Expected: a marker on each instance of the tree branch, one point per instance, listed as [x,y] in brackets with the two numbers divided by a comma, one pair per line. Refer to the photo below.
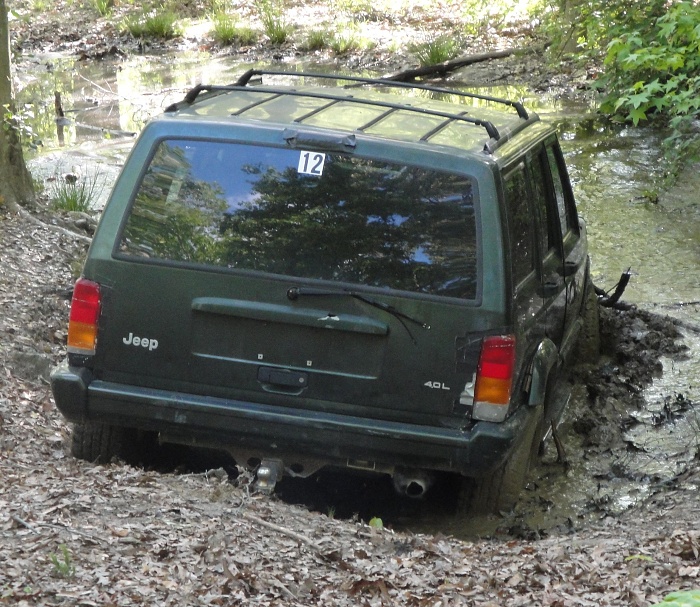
[441,69]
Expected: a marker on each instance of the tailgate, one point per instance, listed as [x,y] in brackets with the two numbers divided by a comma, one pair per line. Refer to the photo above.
[308,278]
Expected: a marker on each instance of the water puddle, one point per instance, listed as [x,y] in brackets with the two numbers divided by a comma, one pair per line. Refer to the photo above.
[615,172]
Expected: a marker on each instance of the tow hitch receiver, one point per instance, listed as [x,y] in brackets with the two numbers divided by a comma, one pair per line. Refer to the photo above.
[269,472]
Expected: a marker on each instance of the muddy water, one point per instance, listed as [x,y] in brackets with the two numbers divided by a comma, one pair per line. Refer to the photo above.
[616,173]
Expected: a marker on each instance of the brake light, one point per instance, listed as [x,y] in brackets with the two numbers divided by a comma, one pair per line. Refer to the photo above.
[84,314]
[494,378]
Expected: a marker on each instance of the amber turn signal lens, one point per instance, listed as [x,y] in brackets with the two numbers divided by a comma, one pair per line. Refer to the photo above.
[84,314]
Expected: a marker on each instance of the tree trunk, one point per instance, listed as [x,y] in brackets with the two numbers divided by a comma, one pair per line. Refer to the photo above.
[16,185]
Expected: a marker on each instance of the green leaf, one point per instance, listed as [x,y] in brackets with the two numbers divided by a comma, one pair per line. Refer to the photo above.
[376,523]
[685,598]
[636,115]
[638,99]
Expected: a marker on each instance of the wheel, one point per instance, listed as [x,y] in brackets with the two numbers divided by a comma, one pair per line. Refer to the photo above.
[588,347]
[100,443]
[499,492]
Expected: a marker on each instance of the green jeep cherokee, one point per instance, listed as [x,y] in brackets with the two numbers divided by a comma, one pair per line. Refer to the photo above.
[338,272]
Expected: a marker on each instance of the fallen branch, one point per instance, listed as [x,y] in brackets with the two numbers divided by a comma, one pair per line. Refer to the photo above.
[283,530]
[36,529]
[24,523]
[440,69]
[328,556]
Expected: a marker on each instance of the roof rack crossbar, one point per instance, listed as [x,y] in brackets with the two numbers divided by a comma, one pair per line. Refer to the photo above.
[250,106]
[315,111]
[274,93]
[516,105]
[376,119]
[438,128]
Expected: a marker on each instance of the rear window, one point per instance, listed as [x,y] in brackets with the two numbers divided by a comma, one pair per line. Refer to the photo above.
[307,214]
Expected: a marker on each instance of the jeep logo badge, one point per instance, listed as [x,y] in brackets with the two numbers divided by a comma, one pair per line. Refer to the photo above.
[143,342]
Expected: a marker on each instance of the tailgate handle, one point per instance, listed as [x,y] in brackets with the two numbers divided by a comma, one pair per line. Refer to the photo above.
[272,376]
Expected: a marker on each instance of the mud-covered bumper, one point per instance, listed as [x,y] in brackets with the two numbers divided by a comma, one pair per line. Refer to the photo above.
[332,438]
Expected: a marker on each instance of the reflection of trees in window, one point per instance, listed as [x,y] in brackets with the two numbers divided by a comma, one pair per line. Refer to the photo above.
[520,223]
[360,222]
[174,212]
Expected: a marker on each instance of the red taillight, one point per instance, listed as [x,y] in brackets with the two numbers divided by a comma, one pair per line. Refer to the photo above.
[84,313]
[494,376]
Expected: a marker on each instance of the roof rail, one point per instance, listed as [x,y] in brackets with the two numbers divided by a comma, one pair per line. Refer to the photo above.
[242,84]
[245,78]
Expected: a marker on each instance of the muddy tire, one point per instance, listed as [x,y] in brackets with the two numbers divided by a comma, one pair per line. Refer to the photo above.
[100,443]
[588,347]
[499,492]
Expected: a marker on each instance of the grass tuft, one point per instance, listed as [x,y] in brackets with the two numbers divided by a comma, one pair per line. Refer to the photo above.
[225,31]
[104,7]
[73,192]
[158,23]
[271,13]
[436,51]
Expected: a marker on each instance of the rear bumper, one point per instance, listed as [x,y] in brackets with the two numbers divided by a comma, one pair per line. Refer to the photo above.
[238,425]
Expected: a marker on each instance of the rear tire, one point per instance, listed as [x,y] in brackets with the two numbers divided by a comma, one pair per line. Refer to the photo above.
[499,492]
[100,443]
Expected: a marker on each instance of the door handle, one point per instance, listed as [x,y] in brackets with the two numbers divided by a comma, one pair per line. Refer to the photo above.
[571,267]
[550,288]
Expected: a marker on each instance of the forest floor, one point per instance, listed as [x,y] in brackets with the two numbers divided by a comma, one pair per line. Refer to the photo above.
[184,533]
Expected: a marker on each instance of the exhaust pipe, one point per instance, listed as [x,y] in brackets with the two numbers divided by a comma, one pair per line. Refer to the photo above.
[412,483]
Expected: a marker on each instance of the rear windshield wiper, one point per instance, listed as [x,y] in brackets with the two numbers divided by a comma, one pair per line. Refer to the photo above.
[295,293]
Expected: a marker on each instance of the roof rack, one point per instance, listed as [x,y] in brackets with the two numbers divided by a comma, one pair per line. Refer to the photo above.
[246,77]
[242,84]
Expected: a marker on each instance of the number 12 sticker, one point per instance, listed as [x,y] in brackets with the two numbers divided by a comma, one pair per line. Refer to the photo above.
[311,163]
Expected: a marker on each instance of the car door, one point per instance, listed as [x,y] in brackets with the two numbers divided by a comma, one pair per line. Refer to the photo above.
[529,314]
[573,244]
[553,287]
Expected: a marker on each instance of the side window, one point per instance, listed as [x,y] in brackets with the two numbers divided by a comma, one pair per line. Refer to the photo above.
[520,223]
[562,190]
[544,208]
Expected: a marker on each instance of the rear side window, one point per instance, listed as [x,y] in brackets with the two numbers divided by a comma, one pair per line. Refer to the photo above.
[562,190]
[307,214]
[520,223]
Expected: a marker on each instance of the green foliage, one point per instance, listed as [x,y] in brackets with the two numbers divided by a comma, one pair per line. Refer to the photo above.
[157,23]
[62,563]
[483,15]
[19,121]
[271,13]
[685,598]
[586,27]
[376,523]
[68,193]
[225,30]
[652,70]
[436,51]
